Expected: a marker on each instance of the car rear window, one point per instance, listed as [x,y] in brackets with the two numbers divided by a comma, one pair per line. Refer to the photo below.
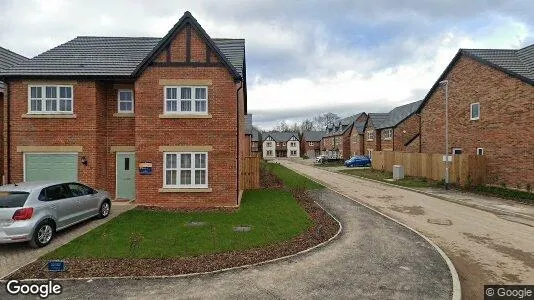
[13,199]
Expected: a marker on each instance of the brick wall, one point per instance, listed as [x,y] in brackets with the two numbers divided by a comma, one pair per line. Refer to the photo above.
[505,129]
[310,151]
[1,136]
[406,131]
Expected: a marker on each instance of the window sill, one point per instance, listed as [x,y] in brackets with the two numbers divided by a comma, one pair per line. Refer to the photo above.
[476,119]
[124,115]
[387,139]
[49,116]
[185,190]
[184,116]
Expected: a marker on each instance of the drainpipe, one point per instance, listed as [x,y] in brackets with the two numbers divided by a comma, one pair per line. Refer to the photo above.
[7,98]
[237,141]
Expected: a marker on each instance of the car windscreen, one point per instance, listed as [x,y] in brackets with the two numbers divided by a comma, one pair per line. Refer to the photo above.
[13,199]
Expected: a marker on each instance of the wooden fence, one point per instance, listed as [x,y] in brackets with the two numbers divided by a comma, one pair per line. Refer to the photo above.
[464,169]
[250,173]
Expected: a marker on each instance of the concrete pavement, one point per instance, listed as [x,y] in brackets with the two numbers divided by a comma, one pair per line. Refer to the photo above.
[485,247]
[373,258]
[14,256]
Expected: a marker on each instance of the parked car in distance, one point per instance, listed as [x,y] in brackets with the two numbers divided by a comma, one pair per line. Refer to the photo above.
[320,159]
[34,211]
[358,161]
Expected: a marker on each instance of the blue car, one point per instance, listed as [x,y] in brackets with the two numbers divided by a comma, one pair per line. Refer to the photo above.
[358,161]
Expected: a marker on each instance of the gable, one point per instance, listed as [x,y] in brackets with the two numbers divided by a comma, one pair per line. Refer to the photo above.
[188,45]
[293,139]
[269,139]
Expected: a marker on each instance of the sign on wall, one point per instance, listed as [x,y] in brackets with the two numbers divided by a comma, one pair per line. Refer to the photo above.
[145,168]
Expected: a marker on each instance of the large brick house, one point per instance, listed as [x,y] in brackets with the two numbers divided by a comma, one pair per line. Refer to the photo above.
[491,112]
[158,120]
[280,144]
[399,131]
[336,142]
[311,143]
[357,136]
[372,139]
[7,60]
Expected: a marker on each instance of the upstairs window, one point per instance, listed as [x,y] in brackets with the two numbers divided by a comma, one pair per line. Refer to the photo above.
[50,99]
[388,134]
[311,143]
[269,144]
[126,101]
[475,111]
[186,100]
[370,135]
[293,144]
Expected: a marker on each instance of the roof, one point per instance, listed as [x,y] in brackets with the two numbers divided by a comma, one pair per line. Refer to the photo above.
[280,136]
[399,114]
[313,136]
[518,63]
[360,126]
[340,126]
[120,56]
[256,136]
[378,118]
[248,124]
[9,58]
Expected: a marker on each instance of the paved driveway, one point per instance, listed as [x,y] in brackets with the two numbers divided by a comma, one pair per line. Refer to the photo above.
[13,256]
[486,248]
[373,258]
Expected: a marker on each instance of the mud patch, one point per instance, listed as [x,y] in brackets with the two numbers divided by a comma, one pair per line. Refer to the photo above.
[511,278]
[444,222]
[410,210]
[525,257]
[473,275]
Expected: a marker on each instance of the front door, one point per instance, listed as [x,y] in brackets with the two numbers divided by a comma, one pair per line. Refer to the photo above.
[126,176]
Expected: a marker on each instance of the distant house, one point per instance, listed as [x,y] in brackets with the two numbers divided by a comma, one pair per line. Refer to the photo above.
[8,59]
[311,143]
[400,130]
[357,137]
[491,112]
[336,142]
[280,144]
[255,142]
[372,133]
[252,137]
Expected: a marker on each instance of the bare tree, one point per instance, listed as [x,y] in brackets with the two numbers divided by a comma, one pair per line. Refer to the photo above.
[324,119]
[307,125]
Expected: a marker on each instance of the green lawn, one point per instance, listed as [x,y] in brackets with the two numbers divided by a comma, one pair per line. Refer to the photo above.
[382,176]
[292,179]
[274,215]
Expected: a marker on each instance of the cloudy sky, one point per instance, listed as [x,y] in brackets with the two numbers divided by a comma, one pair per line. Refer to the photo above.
[303,57]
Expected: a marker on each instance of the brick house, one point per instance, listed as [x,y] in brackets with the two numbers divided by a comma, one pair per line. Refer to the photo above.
[311,143]
[491,112]
[280,144]
[357,136]
[158,120]
[336,142]
[7,60]
[252,137]
[372,133]
[400,130]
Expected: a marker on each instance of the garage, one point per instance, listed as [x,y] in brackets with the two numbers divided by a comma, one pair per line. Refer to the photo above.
[51,166]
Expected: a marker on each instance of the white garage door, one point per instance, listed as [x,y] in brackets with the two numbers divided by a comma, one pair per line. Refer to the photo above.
[51,166]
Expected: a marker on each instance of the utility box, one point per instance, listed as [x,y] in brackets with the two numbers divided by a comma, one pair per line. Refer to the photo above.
[398,172]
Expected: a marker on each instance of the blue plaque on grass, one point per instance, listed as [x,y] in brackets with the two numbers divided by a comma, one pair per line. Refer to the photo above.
[56,266]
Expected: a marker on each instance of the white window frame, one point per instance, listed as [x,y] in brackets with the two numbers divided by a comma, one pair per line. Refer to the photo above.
[311,144]
[269,153]
[179,100]
[480,151]
[370,153]
[388,134]
[293,153]
[292,144]
[268,144]
[456,149]
[178,169]
[471,112]
[370,135]
[119,101]
[43,99]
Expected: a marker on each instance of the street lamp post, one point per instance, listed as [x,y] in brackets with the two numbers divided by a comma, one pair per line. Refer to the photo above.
[446,84]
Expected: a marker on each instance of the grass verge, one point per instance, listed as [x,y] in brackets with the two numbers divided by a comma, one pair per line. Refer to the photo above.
[414,182]
[290,178]
[274,216]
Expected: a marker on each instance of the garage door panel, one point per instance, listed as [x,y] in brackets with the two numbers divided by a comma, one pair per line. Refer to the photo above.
[61,167]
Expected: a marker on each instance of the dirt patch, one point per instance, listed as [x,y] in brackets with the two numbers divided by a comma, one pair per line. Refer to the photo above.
[323,229]
[511,278]
[411,210]
[472,275]
[269,180]
[525,257]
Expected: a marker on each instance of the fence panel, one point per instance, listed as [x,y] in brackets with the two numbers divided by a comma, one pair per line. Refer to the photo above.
[463,170]
[250,173]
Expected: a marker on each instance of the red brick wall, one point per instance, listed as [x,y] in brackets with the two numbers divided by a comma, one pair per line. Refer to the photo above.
[356,143]
[406,131]
[505,129]
[385,144]
[81,131]
[375,143]
[310,150]
[345,144]
[1,136]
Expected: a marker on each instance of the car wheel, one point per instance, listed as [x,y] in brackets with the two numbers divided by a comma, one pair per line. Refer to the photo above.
[104,210]
[43,234]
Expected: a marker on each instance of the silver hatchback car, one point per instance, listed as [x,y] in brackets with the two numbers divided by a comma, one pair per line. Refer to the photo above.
[34,211]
